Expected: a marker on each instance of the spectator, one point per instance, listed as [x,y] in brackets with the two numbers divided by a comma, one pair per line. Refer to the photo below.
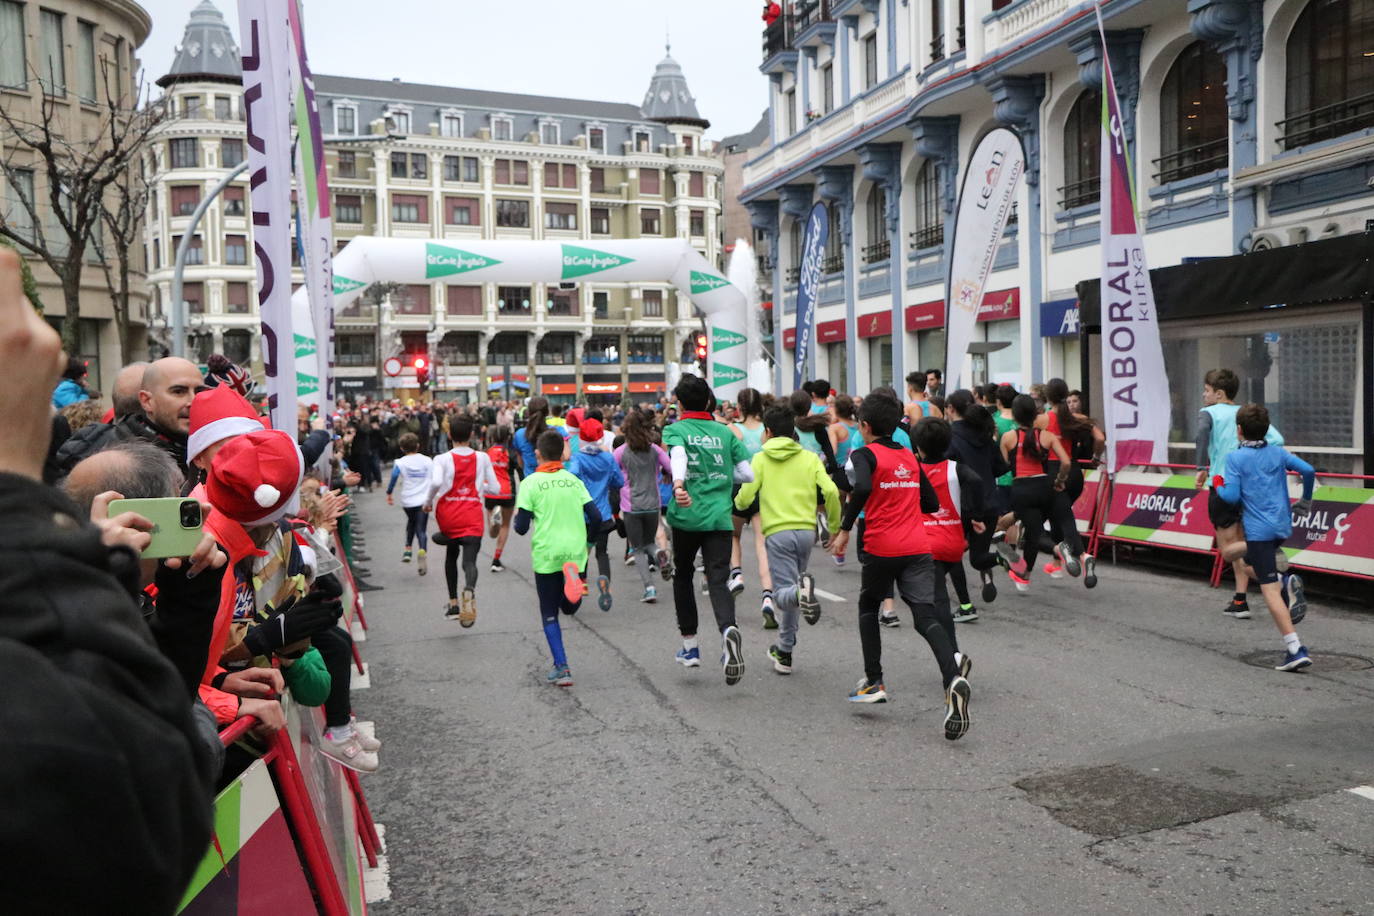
[72,388]
[81,414]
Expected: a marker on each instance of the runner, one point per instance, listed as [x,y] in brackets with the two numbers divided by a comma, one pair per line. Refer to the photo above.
[918,401]
[598,471]
[1084,442]
[461,478]
[536,421]
[1033,495]
[703,453]
[973,444]
[890,490]
[820,396]
[507,466]
[843,432]
[641,464]
[414,471]
[813,432]
[749,429]
[1007,534]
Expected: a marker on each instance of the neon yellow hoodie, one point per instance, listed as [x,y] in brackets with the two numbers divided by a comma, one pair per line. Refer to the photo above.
[785,480]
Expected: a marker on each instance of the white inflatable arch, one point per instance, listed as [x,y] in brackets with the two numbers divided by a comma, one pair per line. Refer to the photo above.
[370,259]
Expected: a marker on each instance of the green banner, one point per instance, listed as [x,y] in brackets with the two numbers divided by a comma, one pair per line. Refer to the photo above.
[703,282]
[442,261]
[305,346]
[343,285]
[725,375]
[724,339]
[578,262]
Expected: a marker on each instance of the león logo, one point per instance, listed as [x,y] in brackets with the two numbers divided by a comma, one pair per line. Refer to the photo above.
[702,282]
[578,262]
[442,261]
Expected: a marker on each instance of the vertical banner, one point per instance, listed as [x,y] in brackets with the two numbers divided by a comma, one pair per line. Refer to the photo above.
[808,283]
[985,199]
[267,99]
[314,335]
[1136,402]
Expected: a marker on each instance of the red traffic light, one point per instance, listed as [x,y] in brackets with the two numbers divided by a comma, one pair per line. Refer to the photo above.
[420,362]
[701,345]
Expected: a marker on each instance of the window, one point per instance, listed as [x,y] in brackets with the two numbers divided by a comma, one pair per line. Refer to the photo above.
[601,304]
[464,300]
[193,294]
[557,350]
[603,349]
[412,299]
[879,246]
[789,101]
[223,108]
[698,223]
[650,181]
[462,211]
[157,255]
[596,139]
[451,124]
[513,214]
[871,61]
[1330,72]
[399,165]
[512,299]
[419,165]
[345,120]
[184,199]
[688,145]
[400,120]
[236,298]
[52,64]
[191,107]
[1193,124]
[348,208]
[596,180]
[653,303]
[185,153]
[549,133]
[643,141]
[235,249]
[937,30]
[346,165]
[1082,151]
[562,302]
[827,89]
[645,348]
[650,222]
[930,226]
[85,61]
[355,349]
[461,168]
[512,171]
[696,184]
[560,176]
[600,220]
[230,152]
[560,216]
[233,201]
[195,251]
[459,349]
[409,208]
[13,62]
[833,262]
[502,128]
[508,348]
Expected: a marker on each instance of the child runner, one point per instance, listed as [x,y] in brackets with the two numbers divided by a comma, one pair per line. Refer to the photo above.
[1083,441]
[703,454]
[813,432]
[1007,534]
[786,478]
[1256,479]
[598,471]
[749,429]
[641,464]
[460,479]
[564,518]
[891,491]
[536,421]
[973,443]
[413,470]
[843,432]
[506,464]
[1033,495]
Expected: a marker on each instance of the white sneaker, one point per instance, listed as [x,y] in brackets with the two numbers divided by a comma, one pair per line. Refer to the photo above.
[495,527]
[736,582]
[349,752]
[366,742]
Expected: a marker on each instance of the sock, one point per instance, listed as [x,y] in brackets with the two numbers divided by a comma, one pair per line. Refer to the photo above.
[497,555]
[1238,597]
[339,732]
[965,607]
[958,658]
[735,570]
[689,643]
[1291,642]
[768,593]
[554,634]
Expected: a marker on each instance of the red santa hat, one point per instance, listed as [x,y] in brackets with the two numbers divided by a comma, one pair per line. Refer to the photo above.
[591,431]
[216,414]
[256,478]
[573,417]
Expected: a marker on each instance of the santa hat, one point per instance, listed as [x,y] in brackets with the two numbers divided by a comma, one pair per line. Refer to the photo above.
[218,414]
[573,417]
[255,479]
[591,431]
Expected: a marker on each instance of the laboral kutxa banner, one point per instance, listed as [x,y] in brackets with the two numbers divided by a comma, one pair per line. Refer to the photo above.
[808,286]
[1338,534]
[1164,509]
[985,200]
[266,43]
[1136,405]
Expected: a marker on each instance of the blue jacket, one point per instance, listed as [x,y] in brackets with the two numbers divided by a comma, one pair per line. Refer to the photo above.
[528,457]
[1257,478]
[600,472]
[68,392]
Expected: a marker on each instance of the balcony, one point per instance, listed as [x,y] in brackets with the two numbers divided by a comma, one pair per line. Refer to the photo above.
[814,24]
[877,252]
[1079,193]
[927,237]
[1327,122]
[1193,160]
[1017,19]
[832,264]
[778,53]
[793,276]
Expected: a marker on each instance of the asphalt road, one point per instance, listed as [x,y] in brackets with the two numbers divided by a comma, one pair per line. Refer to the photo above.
[1127,755]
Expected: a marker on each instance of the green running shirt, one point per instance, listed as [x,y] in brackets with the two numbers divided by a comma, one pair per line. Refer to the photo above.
[712,453]
[555,499]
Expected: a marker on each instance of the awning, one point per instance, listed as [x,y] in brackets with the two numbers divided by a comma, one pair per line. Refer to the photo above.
[498,384]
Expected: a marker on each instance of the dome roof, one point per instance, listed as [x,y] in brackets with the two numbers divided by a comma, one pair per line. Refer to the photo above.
[208,51]
[668,100]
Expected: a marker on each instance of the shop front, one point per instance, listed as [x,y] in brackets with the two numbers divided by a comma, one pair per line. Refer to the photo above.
[875,330]
[600,393]
[559,389]
[830,337]
[1059,334]
[998,331]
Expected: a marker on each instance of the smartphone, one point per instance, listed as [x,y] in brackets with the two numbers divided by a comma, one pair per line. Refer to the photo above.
[176,524]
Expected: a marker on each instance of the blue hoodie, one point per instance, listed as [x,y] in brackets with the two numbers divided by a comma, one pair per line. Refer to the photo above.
[599,471]
[1257,478]
[68,392]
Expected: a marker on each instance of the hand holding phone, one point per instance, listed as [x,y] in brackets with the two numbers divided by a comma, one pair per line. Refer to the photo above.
[176,524]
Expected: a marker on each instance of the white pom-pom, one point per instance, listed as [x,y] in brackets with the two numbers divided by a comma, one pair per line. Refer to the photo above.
[266,496]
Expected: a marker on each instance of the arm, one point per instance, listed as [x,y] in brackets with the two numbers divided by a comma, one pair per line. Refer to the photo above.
[1273,436]
[930,500]
[1203,441]
[522,521]
[972,499]
[486,474]
[1309,478]
[1052,442]
[831,494]
[677,461]
[592,515]
[745,498]
[862,463]
[395,476]
[314,445]
[440,479]
[744,472]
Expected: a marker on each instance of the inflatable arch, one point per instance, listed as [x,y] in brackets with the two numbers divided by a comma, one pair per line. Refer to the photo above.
[369,259]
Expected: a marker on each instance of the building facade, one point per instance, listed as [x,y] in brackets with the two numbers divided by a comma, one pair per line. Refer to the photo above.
[1250,124]
[418,161]
[78,57]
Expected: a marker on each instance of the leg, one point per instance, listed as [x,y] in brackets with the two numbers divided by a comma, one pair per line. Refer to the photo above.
[715,552]
[640,528]
[470,545]
[422,528]
[603,556]
[941,595]
[874,582]
[685,547]
[506,516]
[452,550]
[784,561]
[736,554]
[336,648]
[916,584]
[549,587]
[410,512]
[959,580]
[765,574]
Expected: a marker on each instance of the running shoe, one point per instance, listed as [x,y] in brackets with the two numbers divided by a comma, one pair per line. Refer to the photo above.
[1238,609]
[782,661]
[421,562]
[365,741]
[629,557]
[468,615]
[822,528]
[770,622]
[732,658]
[1053,570]
[440,538]
[603,588]
[736,581]
[1006,553]
[1294,661]
[348,752]
[689,658]
[451,611]
[405,557]
[497,565]
[965,663]
[966,613]
[1022,584]
[1089,571]
[572,582]
[664,562]
[868,692]
[989,586]
[806,597]
[650,595]
[839,560]
[560,676]
[494,528]
[889,620]
[1297,599]
[1071,564]
[956,709]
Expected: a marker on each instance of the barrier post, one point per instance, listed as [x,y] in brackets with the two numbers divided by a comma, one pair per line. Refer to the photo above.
[307,827]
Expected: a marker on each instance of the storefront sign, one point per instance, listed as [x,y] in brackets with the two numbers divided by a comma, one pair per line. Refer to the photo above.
[1158,509]
[601,387]
[877,324]
[555,387]
[646,387]
[352,384]
[789,338]
[1059,318]
[458,381]
[830,331]
[998,305]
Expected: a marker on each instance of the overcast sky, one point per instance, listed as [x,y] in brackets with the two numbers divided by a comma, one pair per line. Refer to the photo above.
[595,49]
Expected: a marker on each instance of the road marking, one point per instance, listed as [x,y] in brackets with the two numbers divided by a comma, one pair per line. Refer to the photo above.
[377,881]
[356,629]
[360,681]
[829,596]
[1363,792]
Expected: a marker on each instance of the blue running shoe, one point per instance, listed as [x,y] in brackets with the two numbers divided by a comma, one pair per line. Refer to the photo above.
[689,658]
[560,676]
[1295,661]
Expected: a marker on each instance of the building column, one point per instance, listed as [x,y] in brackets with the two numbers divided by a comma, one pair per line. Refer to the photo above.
[763,216]
[937,140]
[806,64]
[1123,47]
[381,172]
[891,29]
[836,186]
[882,166]
[845,47]
[1236,27]
[795,202]
[483,341]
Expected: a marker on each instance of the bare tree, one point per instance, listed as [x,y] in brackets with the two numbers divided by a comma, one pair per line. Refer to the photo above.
[77,168]
[121,215]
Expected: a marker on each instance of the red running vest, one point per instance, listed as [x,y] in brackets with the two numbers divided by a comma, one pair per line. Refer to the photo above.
[500,463]
[893,511]
[459,512]
[945,528]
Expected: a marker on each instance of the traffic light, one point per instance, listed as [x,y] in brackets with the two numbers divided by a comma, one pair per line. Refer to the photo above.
[422,373]
[700,340]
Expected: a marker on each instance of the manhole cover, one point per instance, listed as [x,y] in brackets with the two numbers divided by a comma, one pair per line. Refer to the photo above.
[1321,661]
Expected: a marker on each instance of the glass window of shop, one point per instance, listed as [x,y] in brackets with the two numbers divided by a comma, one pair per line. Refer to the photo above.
[837,358]
[879,363]
[1005,364]
[930,352]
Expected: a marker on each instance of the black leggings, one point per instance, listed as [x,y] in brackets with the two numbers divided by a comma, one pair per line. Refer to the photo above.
[417,520]
[336,648]
[602,548]
[1073,488]
[467,546]
[549,588]
[914,578]
[1035,501]
[715,555]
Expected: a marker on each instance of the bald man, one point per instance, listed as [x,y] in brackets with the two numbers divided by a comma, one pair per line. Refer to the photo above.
[126,386]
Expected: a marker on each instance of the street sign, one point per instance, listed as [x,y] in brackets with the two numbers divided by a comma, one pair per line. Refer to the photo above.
[392,367]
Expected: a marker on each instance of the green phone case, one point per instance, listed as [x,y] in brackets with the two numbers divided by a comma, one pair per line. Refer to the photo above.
[170,539]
